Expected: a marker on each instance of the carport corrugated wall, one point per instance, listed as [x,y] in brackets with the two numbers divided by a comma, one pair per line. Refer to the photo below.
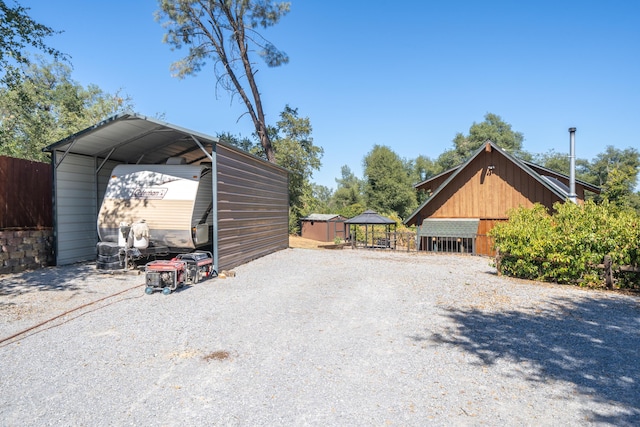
[253,208]
[75,209]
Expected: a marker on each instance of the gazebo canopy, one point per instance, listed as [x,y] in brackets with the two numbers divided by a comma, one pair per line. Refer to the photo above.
[370,217]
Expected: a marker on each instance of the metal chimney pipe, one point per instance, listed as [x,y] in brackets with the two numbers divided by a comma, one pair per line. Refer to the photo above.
[572,166]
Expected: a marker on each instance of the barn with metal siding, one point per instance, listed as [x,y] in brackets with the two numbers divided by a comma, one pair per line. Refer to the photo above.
[250,195]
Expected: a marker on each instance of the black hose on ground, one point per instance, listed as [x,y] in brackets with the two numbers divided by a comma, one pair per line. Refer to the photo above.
[64,314]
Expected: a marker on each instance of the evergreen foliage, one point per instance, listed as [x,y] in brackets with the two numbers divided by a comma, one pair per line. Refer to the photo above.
[349,191]
[40,104]
[388,186]
[226,33]
[493,128]
[295,151]
[18,33]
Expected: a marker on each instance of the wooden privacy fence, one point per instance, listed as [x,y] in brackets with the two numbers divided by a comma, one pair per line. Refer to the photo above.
[25,194]
[405,241]
[610,271]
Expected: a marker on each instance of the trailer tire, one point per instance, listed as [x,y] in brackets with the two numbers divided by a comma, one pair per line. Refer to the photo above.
[108,258]
[109,265]
[108,248]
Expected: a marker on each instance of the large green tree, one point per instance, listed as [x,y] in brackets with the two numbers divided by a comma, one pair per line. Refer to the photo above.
[388,187]
[423,168]
[616,171]
[241,142]
[349,190]
[18,34]
[559,162]
[294,150]
[226,32]
[613,158]
[42,104]
[492,128]
[315,198]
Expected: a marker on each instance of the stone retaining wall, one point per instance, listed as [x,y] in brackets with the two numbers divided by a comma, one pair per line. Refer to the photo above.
[25,249]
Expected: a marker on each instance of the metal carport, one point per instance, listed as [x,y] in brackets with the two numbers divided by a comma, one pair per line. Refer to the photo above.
[250,195]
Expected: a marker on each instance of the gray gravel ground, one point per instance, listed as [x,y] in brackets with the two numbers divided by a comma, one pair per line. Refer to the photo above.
[318,337]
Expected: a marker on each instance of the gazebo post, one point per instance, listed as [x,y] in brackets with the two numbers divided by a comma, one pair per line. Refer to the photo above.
[366,236]
[371,217]
[354,236]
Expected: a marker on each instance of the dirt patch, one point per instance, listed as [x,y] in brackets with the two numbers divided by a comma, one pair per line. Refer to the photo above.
[217,355]
[301,242]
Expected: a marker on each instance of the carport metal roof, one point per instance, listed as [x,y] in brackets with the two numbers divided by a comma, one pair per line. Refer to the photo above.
[126,138]
[134,138]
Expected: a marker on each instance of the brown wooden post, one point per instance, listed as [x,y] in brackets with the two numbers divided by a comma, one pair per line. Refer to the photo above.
[608,273]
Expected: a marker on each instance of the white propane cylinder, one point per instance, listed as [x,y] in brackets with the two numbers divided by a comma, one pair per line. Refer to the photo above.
[140,232]
[122,238]
[141,243]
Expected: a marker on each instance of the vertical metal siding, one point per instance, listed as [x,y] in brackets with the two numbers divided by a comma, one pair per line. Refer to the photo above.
[252,206]
[75,209]
[203,199]
[104,175]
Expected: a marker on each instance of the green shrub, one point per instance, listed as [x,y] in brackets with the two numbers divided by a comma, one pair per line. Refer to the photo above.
[567,246]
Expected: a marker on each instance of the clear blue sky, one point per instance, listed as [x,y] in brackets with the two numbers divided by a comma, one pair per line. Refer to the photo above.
[406,74]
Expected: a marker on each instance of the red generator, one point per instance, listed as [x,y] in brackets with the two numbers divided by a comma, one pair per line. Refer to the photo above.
[168,275]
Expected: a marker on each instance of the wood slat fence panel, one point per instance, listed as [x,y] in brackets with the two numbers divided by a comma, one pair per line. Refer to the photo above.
[25,194]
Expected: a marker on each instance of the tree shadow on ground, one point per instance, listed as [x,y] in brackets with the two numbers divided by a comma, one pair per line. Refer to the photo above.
[590,342]
[65,278]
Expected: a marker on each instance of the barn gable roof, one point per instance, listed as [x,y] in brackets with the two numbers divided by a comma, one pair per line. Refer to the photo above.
[441,174]
[541,170]
[550,182]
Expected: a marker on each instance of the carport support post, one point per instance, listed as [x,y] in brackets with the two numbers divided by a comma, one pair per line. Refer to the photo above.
[214,197]
[214,201]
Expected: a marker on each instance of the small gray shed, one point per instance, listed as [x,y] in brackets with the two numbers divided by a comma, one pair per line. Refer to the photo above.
[250,195]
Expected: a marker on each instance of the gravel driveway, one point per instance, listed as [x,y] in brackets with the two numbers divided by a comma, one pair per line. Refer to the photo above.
[318,337]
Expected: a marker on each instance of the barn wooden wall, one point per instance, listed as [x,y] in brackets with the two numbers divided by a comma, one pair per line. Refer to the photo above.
[488,193]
